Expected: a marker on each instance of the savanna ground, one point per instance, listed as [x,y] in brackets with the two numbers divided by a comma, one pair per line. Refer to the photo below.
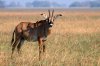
[74,41]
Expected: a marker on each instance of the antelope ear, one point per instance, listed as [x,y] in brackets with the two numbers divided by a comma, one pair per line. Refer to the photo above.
[56,16]
[60,14]
[44,15]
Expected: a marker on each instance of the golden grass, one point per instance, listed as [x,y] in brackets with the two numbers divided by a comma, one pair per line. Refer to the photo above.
[74,41]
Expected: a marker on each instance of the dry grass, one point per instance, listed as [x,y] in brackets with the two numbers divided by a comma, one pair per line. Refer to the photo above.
[74,41]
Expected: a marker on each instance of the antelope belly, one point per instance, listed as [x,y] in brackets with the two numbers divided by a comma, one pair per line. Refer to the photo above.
[34,38]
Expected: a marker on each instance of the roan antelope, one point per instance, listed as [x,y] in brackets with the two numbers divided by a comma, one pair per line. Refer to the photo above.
[33,32]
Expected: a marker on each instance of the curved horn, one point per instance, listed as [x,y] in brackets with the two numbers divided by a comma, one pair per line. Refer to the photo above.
[49,13]
[52,14]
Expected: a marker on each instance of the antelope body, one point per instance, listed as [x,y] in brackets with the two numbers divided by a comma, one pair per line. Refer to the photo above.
[33,32]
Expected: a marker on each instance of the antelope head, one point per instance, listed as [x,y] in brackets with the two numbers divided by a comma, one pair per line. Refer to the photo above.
[51,17]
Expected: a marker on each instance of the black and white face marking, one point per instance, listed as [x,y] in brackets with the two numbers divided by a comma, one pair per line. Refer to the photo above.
[51,23]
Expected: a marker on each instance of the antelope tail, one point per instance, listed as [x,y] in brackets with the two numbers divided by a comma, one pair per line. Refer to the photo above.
[12,38]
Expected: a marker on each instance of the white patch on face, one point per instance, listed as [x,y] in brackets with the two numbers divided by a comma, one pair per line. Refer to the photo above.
[51,24]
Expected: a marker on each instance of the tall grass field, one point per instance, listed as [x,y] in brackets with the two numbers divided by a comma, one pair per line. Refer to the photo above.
[74,40]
